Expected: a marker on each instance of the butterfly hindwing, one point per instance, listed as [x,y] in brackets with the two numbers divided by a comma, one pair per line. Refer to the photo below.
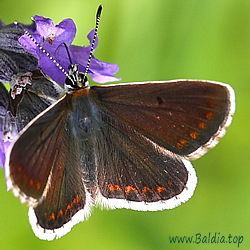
[135,173]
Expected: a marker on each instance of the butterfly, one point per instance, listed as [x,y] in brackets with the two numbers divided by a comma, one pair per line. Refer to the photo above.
[118,146]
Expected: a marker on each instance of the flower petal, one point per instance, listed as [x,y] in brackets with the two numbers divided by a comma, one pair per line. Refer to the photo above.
[52,39]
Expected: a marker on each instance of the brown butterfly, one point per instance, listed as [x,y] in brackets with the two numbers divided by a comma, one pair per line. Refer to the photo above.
[119,146]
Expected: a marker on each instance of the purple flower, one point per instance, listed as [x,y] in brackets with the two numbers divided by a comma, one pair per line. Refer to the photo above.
[4,99]
[2,149]
[52,38]
[6,120]
[5,143]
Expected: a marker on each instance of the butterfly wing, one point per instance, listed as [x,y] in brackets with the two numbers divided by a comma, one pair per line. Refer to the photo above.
[147,131]
[134,172]
[46,174]
[186,117]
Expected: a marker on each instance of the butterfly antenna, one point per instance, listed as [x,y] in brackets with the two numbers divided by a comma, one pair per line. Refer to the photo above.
[67,49]
[98,16]
[47,53]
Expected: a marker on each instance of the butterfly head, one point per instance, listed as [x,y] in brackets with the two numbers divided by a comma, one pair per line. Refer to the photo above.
[75,79]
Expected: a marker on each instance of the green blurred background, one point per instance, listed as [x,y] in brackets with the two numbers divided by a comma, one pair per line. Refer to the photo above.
[159,40]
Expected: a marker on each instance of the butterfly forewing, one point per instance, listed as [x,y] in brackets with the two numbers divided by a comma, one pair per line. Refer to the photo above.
[53,162]
[33,155]
[180,116]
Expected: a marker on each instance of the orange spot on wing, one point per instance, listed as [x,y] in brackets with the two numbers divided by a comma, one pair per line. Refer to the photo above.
[20,168]
[209,115]
[38,185]
[181,143]
[52,217]
[60,213]
[111,187]
[160,189]
[193,135]
[114,188]
[76,200]
[147,189]
[202,125]
[68,208]
[31,182]
[130,189]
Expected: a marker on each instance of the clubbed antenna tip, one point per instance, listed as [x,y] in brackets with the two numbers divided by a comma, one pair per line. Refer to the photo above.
[98,15]
[99,11]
